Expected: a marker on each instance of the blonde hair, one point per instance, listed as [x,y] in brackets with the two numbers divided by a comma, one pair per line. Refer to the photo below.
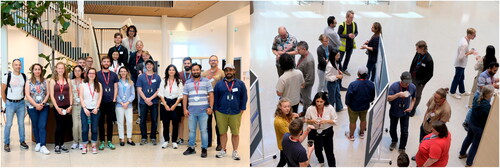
[279,113]
[65,73]
[127,78]
[485,91]
[322,37]
[471,31]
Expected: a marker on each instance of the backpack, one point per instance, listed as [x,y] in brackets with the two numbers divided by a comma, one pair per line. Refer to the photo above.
[8,81]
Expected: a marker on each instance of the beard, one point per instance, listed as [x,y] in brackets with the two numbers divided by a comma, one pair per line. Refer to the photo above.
[229,76]
[491,73]
[186,68]
[196,75]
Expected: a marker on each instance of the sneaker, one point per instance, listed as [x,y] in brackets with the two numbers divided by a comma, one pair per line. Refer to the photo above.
[343,89]
[343,109]
[94,150]
[153,141]
[413,158]
[218,148]
[457,96]
[462,156]
[321,164]
[401,151]
[143,142]
[44,150]
[361,135]
[64,149]
[80,146]
[180,141]
[236,156]
[174,145]
[6,147]
[466,126]
[466,94]
[122,143]
[392,146]
[37,147]
[24,145]
[57,149]
[351,138]
[101,146]
[164,145]
[131,143]
[84,150]
[346,72]
[110,145]
[189,151]
[220,154]
[203,153]
[138,121]
[74,146]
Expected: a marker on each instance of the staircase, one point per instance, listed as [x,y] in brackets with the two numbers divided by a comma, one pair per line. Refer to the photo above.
[78,42]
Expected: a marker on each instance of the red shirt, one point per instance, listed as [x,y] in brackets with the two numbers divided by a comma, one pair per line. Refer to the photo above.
[434,148]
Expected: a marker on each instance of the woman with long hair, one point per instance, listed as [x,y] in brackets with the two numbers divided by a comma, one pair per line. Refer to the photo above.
[126,95]
[170,93]
[37,95]
[333,76]
[77,79]
[90,96]
[371,47]
[282,118]
[322,116]
[61,96]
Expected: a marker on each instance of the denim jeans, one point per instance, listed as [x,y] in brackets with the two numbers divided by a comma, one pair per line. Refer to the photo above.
[472,139]
[154,120]
[12,108]
[38,123]
[94,122]
[371,71]
[458,80]
[469,112]
[322,81]
[404,122]
[201,120]
[334,95]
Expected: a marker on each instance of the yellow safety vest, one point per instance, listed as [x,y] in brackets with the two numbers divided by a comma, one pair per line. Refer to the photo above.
[343,40]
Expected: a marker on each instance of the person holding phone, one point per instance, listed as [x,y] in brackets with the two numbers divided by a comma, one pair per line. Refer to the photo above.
[62,98]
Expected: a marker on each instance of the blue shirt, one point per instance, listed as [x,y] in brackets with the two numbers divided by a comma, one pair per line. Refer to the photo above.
[359,95]
[147,88]
[197,100]
[109,89]
[399,105]
[483,80]
[238,92]
[126,93]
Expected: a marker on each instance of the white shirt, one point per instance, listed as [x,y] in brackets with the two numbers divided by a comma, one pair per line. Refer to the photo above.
[130,47]
[328,114]
[176,92]
[331,73]
[115,67]
[15,91]
[463,47]
[90,102]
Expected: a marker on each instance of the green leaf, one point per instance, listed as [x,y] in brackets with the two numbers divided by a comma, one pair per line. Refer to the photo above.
[67,16]
[31,4]
[65,25]
[19,25]
[6,9]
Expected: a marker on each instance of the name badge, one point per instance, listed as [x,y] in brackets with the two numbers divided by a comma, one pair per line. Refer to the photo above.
[235,89]
[38,99]
[196,98]
[433,114]
[150,90]
[64,112]
[153,81]
[77,100]
[121,52]
[229,97]
[107,89]
[60,97]
[211,80]
[423,64]
[30,106]
[92,104]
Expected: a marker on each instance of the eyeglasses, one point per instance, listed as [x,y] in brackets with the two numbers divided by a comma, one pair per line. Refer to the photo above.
[213,60]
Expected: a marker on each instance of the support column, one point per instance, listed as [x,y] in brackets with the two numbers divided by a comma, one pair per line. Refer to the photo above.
[230,40]
[5,52]
[165,40]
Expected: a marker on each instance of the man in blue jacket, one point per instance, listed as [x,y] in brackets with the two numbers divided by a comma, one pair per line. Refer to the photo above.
[360,94]
[230,96]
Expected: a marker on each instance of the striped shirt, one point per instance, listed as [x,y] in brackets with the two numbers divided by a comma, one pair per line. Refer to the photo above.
[197,100]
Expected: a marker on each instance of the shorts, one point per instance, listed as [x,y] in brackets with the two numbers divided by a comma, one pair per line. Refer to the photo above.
[353,116]
[233,121]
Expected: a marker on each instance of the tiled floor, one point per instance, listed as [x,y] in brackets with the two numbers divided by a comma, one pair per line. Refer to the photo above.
[403,23]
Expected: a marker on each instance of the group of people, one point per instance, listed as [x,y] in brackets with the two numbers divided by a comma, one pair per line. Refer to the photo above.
[296,79]
[91,101]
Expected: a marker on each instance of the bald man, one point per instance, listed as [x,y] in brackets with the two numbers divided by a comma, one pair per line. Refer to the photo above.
[283,43]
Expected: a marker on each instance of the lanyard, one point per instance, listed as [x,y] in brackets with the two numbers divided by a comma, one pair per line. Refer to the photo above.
[137,58]
[115,66]
[420,62]
[119,47]
[196,87]
[188,77]
[123,88]
[130,43]
[150,81]
[78,87]
[61,87]
[429,138]
[106,81]
[300,61]
[170,85]
[230,88]
[38,89]
[92,91]
[212,74]
[326,52]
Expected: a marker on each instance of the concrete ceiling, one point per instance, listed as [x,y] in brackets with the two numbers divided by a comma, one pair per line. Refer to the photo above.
[183,9]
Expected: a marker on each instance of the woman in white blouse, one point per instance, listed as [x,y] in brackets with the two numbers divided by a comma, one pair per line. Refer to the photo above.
[126,95]
[170,93]
[90,98]
[322,116]
[131,40]
[115,64]
[333,76]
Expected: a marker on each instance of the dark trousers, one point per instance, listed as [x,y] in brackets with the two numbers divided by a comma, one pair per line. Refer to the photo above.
[63,122]
[210,130]
[282,161]
[323,140]
[418,96]
[472,139]
[107,109]
[153,109]
[458,80]
[404,122]
[93,120]
[167,117]
[371,71]
[422,133]
[347,53]
[295,108]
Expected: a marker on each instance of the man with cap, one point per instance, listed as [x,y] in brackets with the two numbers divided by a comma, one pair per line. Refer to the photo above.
[230,96]
[359,95]
[147,87]
[402,98]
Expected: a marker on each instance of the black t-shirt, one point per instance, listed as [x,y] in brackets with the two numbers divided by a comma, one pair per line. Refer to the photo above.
[294,151]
